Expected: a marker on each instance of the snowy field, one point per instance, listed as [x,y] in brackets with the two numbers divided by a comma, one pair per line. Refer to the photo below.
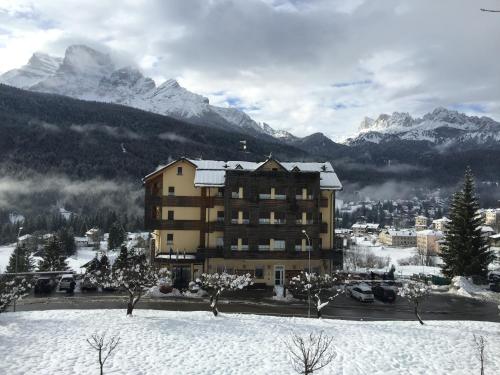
[395,254]
[164,342]
[5,252]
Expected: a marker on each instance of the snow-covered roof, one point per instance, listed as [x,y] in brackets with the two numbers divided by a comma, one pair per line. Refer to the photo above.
[495,236]
[444,219]
[430,232]
[401,232]
[210,173]
[487,229]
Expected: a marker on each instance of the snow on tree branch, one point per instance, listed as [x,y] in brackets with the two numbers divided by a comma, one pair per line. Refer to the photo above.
[216,283]
[415,292]
[12,289]
[318,286]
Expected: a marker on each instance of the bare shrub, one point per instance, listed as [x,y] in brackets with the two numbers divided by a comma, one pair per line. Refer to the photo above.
[311,353]
[103,347]
[480,342]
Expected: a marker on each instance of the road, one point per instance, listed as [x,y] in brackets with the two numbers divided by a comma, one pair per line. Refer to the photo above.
[438,306]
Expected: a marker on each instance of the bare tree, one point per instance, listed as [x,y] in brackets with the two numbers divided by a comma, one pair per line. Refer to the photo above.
[103,347]
[415,292]
[480,342]
[311,353]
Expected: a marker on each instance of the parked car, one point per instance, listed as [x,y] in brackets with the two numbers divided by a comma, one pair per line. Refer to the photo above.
[87,284]
[384,293]
[44,285]
[495,287]
[65,282]
[361,292]
[494,276]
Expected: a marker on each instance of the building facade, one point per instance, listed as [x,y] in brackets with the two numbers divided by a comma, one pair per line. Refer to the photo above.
[243,217]
[428,241]
[421,223]
[398,238]
[441,224]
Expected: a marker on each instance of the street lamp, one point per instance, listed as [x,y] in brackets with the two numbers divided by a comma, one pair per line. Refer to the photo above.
[17,255]
[309,273]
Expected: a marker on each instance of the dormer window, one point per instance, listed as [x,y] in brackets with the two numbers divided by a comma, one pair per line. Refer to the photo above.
[238,166]
[179,171]
[295,169]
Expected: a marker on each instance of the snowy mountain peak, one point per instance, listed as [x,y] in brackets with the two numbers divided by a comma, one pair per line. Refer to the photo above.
[39,67]
[439,126]
[88,74]
[80,59]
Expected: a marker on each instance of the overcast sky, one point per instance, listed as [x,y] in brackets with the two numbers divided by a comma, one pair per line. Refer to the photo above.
[303,66]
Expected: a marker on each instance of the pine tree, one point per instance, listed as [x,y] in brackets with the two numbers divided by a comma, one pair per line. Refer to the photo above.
[53,258]
[465,252]
[67,239]
[25,262]
[116,236]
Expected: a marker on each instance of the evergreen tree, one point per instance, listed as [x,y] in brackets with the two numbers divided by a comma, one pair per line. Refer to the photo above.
[465,252]
[116,236]
[25,262]
[53,258]
[67,239]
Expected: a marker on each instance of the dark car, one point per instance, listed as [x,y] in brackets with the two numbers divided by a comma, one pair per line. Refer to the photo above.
[44,285]
[384,293]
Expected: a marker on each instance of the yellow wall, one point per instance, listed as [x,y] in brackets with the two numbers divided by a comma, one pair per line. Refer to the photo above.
[327,215]
[211,238]
[184,185]
[184,240]
[181,213]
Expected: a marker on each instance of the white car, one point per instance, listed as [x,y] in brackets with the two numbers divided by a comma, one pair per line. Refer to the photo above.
[362,292]
[65,282]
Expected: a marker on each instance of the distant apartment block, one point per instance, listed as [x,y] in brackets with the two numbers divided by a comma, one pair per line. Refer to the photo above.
[492,218]
[398,238]
[441,224]
[421,223]
[428,241]
[243,217]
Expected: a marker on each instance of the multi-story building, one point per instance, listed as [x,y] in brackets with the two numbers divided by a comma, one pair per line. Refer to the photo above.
[398,238]
[360,229]
[441,224]
[428,241]
[492,218]
[420,223]
[265,218]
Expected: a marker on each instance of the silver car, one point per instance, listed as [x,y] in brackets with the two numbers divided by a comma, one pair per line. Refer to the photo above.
[362,292]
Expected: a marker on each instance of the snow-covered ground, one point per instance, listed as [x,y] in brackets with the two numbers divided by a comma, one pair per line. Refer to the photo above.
[395,254]
[5,252]
[167,342]
[464,287]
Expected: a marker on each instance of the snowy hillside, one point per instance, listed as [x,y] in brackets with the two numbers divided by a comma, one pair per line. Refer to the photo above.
[172,342]
[441,126]
[87,74]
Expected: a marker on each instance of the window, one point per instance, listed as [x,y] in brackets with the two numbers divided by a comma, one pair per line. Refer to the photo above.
[170,215]
[259,272]
[234,244]
[179,171]
[320,243]
[279,245]
[298,244]
[244,244]
[246,217]
[264,218]
[298,218]
[219,242]
[170,238]
[279,218]
[171,190]
[220,216]
[220,192]
[234,217]
[280,193]
[264,245]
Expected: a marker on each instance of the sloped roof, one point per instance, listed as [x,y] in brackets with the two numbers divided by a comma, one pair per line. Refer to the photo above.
[212,173]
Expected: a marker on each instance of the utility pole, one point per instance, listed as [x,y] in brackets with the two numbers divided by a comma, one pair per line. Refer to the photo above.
[308,274]
[17,255]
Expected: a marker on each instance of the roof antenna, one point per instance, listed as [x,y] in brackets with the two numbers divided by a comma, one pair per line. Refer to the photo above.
[270,155]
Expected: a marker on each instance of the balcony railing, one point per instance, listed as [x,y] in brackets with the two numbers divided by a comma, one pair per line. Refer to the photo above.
[298,247]
[298,221]
[279,221]
[281,197]
[264,220]
[245,221]
[234,221]
[244,247]
[235,195]
[264,196]
[234,247]
[299,197]
[264,247]
[220,219]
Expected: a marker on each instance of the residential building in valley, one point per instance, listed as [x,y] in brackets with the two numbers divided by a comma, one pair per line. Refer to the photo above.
[243,217]
[421,223]
[398,237]
[428,241]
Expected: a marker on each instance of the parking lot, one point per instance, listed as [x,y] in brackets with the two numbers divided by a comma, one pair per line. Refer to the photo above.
[438,306]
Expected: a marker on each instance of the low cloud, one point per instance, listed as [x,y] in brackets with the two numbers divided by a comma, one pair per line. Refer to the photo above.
[39,192]
[173,137]
[109,130]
